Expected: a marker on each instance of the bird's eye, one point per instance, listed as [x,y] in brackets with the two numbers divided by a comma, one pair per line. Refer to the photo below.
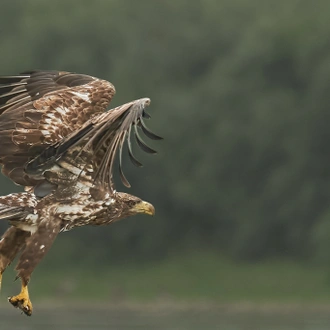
[131,203]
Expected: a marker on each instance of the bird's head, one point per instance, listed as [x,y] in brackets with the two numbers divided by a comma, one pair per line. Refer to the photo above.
[124,205]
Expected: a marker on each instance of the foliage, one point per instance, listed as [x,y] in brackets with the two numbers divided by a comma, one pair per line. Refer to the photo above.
[240,91]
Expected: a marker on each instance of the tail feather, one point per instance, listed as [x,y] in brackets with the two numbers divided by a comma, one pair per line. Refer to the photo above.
[12,212]
[17,206]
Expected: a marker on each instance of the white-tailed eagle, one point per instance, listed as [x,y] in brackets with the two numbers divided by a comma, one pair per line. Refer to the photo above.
[59,142]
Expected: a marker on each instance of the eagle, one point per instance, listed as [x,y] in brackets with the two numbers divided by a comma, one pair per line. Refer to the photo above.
[59,142]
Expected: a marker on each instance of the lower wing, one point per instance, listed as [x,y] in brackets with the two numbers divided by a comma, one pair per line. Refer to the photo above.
[95,145]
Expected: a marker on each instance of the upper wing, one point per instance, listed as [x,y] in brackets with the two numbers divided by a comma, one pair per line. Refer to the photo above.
[40,108]
[92,149]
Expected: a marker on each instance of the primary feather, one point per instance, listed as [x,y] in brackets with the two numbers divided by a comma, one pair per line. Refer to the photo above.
[60,143]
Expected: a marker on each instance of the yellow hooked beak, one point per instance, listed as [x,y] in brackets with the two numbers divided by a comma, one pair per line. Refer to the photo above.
[144,207]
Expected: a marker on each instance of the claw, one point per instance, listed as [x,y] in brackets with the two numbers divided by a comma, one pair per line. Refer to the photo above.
[22,301]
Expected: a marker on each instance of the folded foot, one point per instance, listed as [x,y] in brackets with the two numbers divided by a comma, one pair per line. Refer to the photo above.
[22,301]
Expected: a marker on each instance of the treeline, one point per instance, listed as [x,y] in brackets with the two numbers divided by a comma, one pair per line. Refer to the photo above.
[240,91]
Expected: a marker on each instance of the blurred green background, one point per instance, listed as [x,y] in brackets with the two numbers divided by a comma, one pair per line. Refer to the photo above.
[240,91]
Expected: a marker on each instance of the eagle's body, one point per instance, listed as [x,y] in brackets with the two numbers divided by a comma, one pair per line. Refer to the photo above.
[58,142]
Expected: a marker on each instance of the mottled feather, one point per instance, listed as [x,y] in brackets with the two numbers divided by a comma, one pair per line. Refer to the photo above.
[39,109]
[58,140]
[94,146]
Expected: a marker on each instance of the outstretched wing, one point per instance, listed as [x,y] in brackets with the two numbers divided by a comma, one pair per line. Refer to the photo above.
[92,149]
[39,109]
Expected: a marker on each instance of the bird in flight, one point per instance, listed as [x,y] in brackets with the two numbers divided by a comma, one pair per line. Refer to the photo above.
[59,143]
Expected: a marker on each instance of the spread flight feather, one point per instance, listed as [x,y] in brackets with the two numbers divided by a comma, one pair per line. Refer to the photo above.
[60,143]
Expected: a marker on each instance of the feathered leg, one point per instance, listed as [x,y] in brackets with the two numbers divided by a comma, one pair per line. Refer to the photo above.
[11,243]
[14,208]
[36,247]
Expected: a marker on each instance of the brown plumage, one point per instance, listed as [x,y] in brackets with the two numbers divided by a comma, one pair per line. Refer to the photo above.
[60,143]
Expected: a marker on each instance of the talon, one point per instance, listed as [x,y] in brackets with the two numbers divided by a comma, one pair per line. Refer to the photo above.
[22,301]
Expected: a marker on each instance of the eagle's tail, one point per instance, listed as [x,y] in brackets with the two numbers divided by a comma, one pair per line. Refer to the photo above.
[17,206]
[11,212]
